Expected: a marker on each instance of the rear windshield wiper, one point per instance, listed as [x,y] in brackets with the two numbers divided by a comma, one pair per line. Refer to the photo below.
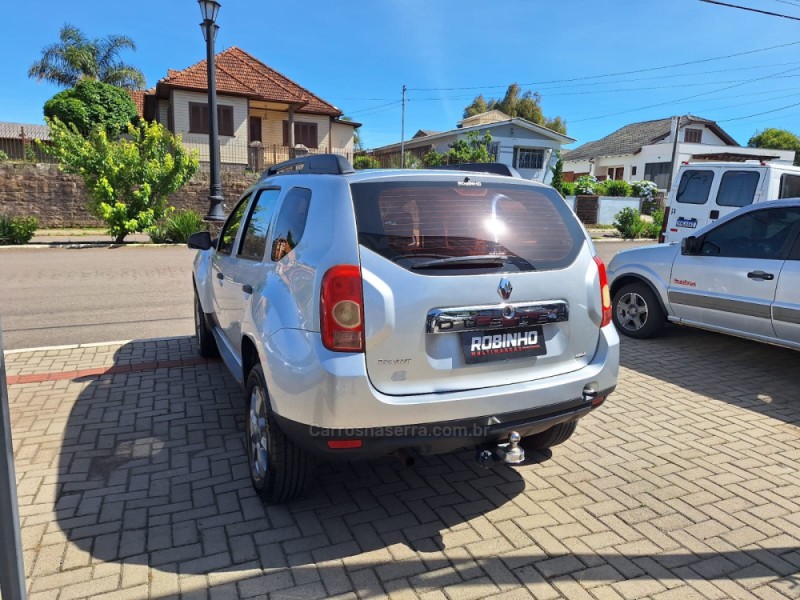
[483,259]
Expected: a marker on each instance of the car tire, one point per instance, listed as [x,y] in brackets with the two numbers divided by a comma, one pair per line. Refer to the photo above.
[558,434]
[203,336]
[279,470]
[637,312]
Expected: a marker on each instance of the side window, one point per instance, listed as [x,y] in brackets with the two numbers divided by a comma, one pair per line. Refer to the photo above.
[254,242]
[790,186]
[228,235]
[694,187]
[758,234]
[291,222]
[737,188]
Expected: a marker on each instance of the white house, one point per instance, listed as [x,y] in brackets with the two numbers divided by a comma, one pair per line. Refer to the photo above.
[518,143]
[256,108]
[645,150]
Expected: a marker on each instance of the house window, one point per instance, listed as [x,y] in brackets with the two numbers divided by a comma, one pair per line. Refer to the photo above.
[528,158]
[693,136]
[304,133]
[198,118]
[658,173]
[616,172]
[633,170]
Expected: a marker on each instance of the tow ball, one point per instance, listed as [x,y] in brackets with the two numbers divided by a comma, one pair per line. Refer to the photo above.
[510,453]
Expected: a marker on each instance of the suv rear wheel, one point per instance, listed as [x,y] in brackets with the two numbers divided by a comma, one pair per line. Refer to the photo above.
[203,336]
[279,470]
[558,434]
[637,312]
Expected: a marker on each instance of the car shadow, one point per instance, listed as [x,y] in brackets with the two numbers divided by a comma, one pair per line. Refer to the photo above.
[152,471]
[753,375]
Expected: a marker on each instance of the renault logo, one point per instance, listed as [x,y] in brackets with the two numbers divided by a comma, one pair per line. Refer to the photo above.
[505,288]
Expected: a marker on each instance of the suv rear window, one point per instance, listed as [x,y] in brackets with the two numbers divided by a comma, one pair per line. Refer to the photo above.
[430,227]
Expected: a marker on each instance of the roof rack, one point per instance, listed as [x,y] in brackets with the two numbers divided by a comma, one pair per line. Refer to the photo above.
[494,168]
[317,164]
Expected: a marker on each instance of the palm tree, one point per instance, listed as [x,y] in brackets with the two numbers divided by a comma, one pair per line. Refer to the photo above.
[76,57]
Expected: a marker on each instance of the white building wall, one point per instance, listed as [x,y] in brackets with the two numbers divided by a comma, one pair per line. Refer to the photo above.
[233,149]
[509,136]
[342,138]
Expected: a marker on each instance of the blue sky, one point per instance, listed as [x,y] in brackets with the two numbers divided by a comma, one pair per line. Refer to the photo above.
[358,54]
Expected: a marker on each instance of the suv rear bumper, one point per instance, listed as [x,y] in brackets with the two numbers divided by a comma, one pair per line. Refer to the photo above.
[436,437]
[312,386]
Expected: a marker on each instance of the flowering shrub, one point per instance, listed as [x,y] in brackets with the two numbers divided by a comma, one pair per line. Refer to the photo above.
[585,184]
[644,189]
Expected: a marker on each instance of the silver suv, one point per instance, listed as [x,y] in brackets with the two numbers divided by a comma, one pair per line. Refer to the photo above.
[402,311]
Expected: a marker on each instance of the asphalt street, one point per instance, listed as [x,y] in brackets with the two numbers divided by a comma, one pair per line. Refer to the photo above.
[59,296]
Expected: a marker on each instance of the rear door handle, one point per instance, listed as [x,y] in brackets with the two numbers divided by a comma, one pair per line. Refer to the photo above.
[247,288]
[220,275]
[761,275]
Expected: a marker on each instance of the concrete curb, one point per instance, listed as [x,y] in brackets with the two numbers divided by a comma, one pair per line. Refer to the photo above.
[96,344]
[79,245]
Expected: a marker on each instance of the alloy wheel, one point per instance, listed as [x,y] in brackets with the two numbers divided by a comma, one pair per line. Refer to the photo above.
[632,311]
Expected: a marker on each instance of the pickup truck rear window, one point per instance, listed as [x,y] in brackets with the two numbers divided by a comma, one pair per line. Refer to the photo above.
[433,227]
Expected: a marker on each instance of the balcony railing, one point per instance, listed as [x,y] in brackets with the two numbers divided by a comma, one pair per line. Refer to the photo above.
[253,157]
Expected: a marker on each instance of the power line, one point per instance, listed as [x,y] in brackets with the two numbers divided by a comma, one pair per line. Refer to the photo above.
[789,2]
[755,10]
[646,70]
[766,112]
[622,112]
[371,108]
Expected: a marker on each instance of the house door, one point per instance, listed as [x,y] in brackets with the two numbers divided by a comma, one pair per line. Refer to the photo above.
[255,129]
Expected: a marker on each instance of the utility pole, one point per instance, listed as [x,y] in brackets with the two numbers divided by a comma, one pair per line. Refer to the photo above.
[403,132]
[676,127]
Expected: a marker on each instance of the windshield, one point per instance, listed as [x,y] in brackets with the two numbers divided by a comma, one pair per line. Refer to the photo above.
[430,226]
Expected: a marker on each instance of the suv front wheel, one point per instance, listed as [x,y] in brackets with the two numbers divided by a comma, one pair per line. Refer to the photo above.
[279,470]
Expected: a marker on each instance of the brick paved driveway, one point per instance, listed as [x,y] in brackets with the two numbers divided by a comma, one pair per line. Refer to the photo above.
[133,484]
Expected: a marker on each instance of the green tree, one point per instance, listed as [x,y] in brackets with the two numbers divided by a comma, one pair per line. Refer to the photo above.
[128,179]
[365,161]
[776,139]
[92,105]
[516,103]
[76,57]
[558,174]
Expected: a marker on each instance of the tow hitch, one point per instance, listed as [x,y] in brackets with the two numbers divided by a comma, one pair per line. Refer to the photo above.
[509,453]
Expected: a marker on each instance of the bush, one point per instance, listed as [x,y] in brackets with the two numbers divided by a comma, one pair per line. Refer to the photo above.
[3,156]
[586,184]
[630,224]
[366,162]
[653,230]
[644,189]
[568,189]
[17,230]
[177,227]
[91,105]
[616,188]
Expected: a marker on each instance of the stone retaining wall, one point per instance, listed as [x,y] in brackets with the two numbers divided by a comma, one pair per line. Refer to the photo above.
[59,200]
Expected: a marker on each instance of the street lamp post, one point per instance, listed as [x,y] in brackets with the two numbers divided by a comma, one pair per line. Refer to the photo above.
[209,10]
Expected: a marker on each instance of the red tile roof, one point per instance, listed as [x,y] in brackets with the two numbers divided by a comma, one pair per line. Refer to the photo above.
[241,74]
[138,99]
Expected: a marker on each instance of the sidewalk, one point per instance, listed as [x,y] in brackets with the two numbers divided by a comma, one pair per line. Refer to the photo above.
[133,484]
[81,236]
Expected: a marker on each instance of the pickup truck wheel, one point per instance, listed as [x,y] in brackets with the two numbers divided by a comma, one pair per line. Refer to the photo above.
[279,470]
[637,312]
[203,336]
[558,434]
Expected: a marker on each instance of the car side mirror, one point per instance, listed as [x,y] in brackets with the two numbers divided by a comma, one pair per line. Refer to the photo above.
[200,241]
[690,245]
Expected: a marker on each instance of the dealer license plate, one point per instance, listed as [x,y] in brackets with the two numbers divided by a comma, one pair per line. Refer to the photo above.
[504,344]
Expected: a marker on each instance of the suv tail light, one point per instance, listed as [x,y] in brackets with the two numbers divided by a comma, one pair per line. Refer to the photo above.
[605,292]
[342,309]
